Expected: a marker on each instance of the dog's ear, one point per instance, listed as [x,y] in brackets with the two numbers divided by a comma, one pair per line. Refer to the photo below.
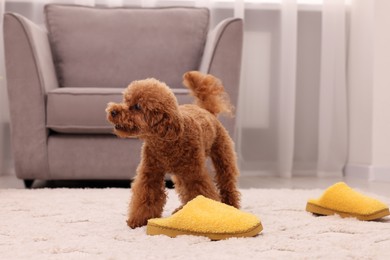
[168,126]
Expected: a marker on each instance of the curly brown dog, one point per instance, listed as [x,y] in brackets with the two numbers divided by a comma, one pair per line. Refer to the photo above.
[177,140]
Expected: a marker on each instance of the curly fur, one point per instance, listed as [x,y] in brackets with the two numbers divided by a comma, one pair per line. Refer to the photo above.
[177,140]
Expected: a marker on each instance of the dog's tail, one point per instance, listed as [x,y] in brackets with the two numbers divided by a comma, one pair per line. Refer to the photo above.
[208,92]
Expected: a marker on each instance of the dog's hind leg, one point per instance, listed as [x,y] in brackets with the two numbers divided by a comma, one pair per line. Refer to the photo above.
[226,171]
[188,185]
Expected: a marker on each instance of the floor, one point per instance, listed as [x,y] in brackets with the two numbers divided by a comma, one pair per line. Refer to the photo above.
[245,182]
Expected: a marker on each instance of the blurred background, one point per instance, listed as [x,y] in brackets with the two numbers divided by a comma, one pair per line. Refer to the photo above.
[313,86]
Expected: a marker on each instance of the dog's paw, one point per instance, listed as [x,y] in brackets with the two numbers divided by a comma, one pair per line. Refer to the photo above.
[135,223]
[232,199]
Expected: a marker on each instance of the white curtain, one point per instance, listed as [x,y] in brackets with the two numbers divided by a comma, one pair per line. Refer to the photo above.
[292,113]
[293,110]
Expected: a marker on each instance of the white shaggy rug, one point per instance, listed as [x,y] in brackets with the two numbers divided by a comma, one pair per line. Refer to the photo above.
[90,224]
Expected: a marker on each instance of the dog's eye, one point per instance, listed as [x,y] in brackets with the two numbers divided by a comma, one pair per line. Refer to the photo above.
[136,107]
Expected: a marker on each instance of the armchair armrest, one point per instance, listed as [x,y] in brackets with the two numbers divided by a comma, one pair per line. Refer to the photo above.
[30,74]
[222,58]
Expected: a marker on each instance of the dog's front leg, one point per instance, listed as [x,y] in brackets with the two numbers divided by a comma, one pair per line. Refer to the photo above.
[148,196]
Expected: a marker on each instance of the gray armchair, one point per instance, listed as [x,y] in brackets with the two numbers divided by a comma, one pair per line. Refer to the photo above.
[60,80]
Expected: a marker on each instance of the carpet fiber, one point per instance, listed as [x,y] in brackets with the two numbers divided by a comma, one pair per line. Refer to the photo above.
[90,224]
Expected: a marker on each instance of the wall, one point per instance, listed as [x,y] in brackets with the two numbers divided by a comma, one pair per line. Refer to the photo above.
[381,91]
[369,90]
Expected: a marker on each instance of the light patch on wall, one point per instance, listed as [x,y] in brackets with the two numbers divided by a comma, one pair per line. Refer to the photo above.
[256,79]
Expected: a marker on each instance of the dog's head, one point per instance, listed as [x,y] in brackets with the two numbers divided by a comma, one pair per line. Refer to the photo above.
[149,109]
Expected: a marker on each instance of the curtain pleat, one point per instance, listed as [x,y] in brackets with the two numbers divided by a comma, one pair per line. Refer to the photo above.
[287,86]
[332,149]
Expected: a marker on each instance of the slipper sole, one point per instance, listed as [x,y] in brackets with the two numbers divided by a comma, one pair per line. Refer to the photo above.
[316,209]
[153,229]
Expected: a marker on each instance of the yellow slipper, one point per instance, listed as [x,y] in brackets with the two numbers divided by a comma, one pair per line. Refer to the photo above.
[205,217]
[342,200]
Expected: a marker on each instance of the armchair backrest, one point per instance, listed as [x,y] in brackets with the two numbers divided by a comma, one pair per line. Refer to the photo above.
[110,47]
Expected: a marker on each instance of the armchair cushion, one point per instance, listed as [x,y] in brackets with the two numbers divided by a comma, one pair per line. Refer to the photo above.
[109,47]
[82,110]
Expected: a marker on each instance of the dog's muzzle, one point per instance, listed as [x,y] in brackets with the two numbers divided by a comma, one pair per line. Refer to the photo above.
[119,127]
[126,128]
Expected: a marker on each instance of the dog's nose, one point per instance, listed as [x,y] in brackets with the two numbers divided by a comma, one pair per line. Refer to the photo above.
[114,113]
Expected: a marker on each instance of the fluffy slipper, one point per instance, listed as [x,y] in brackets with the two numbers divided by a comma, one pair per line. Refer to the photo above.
[346,202]
[205,217]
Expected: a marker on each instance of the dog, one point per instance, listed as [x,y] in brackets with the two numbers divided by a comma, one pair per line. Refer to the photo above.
[177,140]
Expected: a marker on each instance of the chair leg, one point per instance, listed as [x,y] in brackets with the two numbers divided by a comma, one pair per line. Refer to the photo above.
[28,183]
